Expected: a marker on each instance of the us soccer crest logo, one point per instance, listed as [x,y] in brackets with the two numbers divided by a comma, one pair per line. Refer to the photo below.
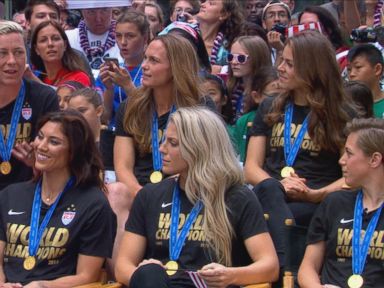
[67,217]
[26,113]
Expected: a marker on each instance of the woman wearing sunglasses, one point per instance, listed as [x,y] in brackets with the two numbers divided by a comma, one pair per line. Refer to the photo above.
[296,139]
[220,22]
[248,55]
[337,226]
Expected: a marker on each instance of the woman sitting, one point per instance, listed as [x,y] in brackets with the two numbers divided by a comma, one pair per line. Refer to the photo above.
[203,220]
[345,238]
[63,229]
[53,57]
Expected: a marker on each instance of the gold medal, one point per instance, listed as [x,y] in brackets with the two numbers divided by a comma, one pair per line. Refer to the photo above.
[355,281]
[5,167]
[286,171]
[29,263]
[172,267]
[156,177]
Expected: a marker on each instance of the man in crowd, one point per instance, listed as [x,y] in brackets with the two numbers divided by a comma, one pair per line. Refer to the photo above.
[276,15]
[254,10]
[95,37]
[22,102]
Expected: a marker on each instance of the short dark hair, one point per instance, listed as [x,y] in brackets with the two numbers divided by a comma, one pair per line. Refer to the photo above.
[84,157]
[368,51]
[71,60]
[137,18]
[361,96]
[32,3]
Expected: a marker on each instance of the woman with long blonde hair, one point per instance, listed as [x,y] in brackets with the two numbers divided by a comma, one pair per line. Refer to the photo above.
[203,220]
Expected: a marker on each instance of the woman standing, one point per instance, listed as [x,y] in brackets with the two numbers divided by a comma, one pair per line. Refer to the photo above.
[53,57]
[118,81]
[296,139]
[336,230]
[220,23]
[69,245]
[224,237]
[142,120]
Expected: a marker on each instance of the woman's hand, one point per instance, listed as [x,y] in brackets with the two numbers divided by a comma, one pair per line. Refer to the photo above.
[120,76]
[24,152]
[35,284]
[151,261]
[216,275]
[11,285]
[104,76]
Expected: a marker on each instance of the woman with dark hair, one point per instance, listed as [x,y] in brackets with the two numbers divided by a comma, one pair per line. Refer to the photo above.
[53,57]
[345,243]
[228,243]
[296,138]
[64,90]
[64,211]
[220,23]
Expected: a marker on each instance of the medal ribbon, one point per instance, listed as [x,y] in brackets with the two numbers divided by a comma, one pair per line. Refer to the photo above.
[360,246]
[290,152]
[6,147]
[156,155]
[176,242]
[36,232]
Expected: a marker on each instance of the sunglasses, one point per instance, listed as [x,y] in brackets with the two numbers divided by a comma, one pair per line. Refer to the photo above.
[240,58]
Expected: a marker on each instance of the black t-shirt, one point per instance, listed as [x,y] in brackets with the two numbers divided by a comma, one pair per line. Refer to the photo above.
[318,166]
[150,217]
[143,163]
[333,223]
[39,99]
[82,223]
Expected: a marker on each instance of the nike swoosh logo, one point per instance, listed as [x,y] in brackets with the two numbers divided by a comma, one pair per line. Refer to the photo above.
[11,212]
[343,221]
[166,205]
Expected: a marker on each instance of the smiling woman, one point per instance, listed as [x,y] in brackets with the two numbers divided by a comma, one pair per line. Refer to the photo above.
[67,196]
[53,57]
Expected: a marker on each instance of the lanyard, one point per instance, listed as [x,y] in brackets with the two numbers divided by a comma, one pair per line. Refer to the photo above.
[360,246]
[176,242]
[290,152]
[6,147]
[156,155]
[36,232]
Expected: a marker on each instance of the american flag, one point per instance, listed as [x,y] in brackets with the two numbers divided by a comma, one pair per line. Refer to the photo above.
[196,279]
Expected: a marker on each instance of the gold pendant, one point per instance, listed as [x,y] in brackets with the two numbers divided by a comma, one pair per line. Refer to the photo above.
[286,171]
[29,263]
[172,267]
[156,177]
[5,167]
[355,281]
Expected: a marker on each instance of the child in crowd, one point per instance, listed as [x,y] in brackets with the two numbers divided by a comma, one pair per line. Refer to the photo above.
[264,84]
[365,64]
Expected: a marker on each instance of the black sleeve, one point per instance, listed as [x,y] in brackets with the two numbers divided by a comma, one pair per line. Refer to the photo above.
[259,127]
[98,235]
[318,229]
[136,219]
[51,103]
[120,120]
[3,193]
[247,212]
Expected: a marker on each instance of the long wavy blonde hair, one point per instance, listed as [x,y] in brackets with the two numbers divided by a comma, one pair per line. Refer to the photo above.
[186,91]
[212,170]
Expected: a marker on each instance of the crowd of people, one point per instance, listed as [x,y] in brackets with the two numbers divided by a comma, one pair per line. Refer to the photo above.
[169,147]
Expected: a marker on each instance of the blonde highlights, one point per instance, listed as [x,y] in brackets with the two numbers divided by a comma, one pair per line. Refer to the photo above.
[186,92]
[213,168]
